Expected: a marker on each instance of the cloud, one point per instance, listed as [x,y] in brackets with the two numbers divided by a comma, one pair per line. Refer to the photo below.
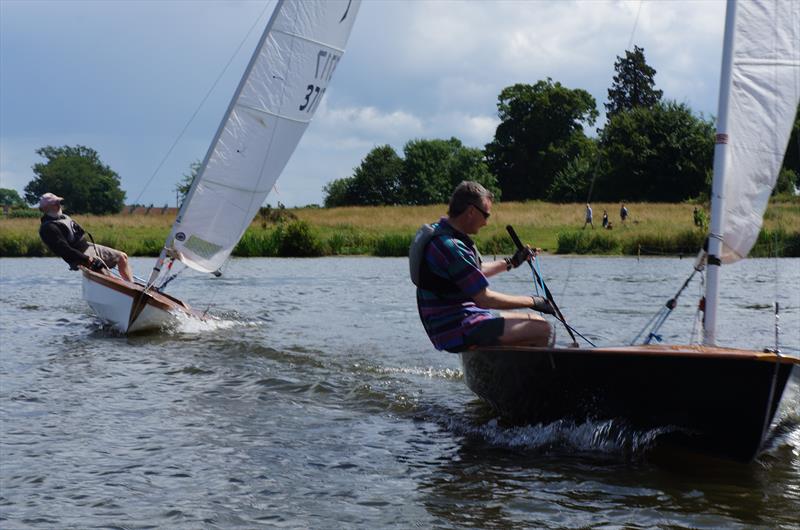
[128,75]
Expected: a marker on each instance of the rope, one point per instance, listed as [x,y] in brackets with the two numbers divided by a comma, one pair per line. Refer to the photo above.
[197,110]
[657,320]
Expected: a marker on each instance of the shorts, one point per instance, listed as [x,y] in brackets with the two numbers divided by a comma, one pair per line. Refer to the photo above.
[486,333]
[110,256]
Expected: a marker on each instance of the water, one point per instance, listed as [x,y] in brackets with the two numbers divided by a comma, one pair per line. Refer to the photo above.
[317,401]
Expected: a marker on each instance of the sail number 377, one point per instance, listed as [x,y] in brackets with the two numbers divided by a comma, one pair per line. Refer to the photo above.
[326,64]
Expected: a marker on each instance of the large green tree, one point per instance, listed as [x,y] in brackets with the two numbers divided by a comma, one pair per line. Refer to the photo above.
[78,175]
[374,182]
[433,168]
[376,179]
[540,132]
[427,175]
[633,84]
[663,153]
[574,182]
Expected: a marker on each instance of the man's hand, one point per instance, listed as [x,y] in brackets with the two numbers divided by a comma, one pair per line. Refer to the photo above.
[542,305]
[520,256]
[96,264]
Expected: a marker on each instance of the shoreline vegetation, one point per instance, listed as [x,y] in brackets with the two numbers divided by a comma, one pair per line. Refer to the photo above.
[651,229]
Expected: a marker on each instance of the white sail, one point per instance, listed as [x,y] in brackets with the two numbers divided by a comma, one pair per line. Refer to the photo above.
[271,109]
[764,95]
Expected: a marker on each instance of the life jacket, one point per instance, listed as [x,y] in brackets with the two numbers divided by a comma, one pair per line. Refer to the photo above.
[72,233]
[421,274]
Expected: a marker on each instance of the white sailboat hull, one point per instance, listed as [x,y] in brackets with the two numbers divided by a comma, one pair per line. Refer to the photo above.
[128,308]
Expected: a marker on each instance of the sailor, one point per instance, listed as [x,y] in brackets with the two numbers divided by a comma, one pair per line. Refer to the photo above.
[456,306]
[65,238]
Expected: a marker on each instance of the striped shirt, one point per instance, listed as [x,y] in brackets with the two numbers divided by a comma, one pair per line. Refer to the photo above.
[449,317]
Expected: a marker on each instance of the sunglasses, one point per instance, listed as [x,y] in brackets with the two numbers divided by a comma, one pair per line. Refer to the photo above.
[484,213]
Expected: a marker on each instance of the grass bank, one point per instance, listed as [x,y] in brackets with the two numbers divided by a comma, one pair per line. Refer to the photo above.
[651,229]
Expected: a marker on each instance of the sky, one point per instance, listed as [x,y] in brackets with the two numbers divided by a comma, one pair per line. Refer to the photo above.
[126,77]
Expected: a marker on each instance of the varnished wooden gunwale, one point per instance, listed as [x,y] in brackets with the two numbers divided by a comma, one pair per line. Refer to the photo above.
[154,298]
[658,350]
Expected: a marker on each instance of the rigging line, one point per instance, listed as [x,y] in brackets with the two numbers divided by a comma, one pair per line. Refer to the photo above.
[635,23]
[202,102]
[597,158]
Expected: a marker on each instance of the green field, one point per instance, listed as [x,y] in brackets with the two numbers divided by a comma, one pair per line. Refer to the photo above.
[651,229]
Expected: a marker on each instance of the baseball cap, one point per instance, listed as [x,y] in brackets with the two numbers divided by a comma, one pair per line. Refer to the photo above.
[49,199]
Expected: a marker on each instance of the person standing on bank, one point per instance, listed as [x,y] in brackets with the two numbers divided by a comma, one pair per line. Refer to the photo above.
[605,218]
[66,239]
[588,220]
[456,306]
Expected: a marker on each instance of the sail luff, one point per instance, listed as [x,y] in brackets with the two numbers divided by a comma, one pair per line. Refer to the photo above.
[268,114]
[764,92]
[717,187]
[196,180]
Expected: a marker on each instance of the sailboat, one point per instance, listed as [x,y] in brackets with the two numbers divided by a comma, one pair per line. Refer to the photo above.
[280,91]
[709,398]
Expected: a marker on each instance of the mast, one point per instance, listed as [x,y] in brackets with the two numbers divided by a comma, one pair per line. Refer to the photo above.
[717,186]
[157,267]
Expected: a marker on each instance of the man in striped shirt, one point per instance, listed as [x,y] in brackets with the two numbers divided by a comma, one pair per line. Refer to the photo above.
[456,306]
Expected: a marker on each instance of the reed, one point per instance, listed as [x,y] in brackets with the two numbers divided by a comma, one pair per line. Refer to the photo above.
[652,228]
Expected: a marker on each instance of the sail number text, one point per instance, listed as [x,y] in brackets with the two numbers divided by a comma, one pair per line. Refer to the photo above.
[326,64]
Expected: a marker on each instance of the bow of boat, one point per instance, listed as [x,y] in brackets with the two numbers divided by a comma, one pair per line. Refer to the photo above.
[130,307]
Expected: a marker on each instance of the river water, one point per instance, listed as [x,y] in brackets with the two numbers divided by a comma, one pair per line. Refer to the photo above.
[316,401]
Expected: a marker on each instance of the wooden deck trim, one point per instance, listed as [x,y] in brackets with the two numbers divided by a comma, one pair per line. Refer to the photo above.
[154,298]
[657,350]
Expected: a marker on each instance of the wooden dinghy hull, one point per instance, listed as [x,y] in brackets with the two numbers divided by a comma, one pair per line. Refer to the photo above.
[128,308]
[716,400]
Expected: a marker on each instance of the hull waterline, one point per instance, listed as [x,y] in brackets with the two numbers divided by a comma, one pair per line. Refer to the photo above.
[128,308]
[715,400]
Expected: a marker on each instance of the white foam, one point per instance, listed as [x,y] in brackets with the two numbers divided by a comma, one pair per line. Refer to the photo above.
[188,324]
[430,372]
[607,436]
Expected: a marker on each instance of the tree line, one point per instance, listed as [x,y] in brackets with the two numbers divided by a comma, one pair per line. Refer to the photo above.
[649,149]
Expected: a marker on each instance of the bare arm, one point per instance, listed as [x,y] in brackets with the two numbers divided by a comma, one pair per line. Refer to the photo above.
[493,267]
[489,299]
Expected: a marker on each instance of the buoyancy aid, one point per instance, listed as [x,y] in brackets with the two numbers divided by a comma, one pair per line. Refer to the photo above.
[420,272]
[72,231]
[72,234]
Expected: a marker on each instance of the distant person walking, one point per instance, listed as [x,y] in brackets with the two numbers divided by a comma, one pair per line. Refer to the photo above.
[623,213]
[588,220]
[605,218]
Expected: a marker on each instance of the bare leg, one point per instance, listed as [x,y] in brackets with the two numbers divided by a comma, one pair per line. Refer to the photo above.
[124,268]
[525,329]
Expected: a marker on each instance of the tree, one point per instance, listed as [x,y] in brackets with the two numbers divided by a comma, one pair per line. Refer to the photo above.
[791,160]
[433,168]
[185,183]
[376,180]
[9,197]
[662,153]
[540,132]
[633,84]
[337,193]
[78,175]
[427,175]
[574,182]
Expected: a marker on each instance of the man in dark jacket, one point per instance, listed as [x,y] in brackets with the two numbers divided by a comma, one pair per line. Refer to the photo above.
[65,238]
